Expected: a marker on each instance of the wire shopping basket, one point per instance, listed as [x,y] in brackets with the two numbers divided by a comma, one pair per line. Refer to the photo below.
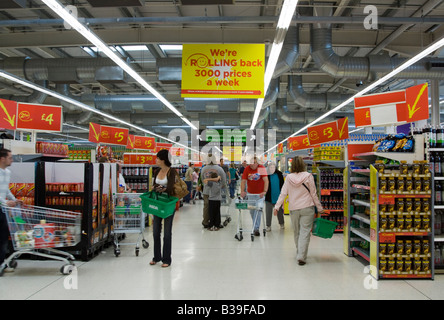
[35,229]
[159,204]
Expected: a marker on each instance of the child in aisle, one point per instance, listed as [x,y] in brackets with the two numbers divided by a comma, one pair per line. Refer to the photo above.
[215,198]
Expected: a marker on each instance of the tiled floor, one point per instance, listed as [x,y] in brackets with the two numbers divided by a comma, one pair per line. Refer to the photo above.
[213,265]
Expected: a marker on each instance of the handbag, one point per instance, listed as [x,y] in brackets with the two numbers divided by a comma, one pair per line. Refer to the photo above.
[180,188]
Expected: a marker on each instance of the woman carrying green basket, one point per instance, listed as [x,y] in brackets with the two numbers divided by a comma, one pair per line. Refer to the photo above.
[300,188]
[164,180]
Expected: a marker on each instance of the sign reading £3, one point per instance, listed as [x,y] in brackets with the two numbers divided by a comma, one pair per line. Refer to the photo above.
[223,71]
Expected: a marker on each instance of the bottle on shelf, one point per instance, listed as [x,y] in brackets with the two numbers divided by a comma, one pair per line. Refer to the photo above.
[438,193]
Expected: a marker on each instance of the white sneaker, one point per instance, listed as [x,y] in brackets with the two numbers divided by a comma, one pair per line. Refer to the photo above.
[282,226]
[268,229]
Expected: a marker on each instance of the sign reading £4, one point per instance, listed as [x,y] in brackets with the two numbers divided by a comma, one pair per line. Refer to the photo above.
[223,71]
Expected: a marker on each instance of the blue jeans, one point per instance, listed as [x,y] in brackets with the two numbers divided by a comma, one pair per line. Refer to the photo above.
[232,188]
[256,214]
[187,198]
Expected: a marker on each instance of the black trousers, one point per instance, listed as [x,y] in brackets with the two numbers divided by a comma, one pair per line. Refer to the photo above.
[165,254]
[4,236]
[214,212]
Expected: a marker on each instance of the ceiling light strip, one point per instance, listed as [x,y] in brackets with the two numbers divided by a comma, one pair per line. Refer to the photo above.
[90,36]
[285,18]
[426,52]
[34,86]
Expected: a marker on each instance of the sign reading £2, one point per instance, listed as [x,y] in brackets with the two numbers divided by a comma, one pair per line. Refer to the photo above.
[223,71]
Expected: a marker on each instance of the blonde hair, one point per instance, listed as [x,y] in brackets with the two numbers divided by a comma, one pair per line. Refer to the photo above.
[298,165]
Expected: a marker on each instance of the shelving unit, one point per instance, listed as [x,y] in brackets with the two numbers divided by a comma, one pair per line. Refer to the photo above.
[331,194]
[401,223]
[357,213]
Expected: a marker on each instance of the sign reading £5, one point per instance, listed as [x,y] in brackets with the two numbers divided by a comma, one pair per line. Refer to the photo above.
[223,71]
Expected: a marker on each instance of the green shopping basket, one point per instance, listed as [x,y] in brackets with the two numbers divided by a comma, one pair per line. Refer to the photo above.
[324,228]
[159,204]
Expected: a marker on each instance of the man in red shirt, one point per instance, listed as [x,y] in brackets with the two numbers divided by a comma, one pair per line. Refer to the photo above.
[255,177]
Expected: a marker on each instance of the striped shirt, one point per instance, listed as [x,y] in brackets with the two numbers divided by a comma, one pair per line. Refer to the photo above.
[5,193]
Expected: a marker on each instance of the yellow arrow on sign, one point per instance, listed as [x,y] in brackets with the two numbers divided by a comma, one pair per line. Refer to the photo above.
[95,133]
[413,110]
[10,120]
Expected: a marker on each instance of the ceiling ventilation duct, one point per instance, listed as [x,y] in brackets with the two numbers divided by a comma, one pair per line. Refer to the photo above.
[115,3]
[365,68]
[10,4]
[205,2]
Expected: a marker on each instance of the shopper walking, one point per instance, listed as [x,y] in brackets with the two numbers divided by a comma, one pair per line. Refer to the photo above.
[164,179]
[6,199]
[205,174]
[189,181]
[214,198]
[233,180]
[276,182]
[300,188]
[255,179]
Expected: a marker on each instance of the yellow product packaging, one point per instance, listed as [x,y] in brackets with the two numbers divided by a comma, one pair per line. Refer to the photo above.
[383,248]
[383,264]
[403,167]
[425,246]
[401,184]
[425,167]
[417,222]
[425,205]
[408,265]
[426,222]
[418,184]
[383,222]
[426,265]
[391,264]
[417,246]
[408,246]
[400,246]
[391,184]
[399,265]
[408,223]
[408,205]
[391,248]
[382,184]
[400,222]
[426,184]
[417,205]
[408,184]
[391,222]
[416,167]
[417,265]
[400,204]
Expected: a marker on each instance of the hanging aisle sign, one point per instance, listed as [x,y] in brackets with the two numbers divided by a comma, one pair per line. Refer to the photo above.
[394,107]
[223,71]
[328,132]
[8,112]
[298,143]
[108,135]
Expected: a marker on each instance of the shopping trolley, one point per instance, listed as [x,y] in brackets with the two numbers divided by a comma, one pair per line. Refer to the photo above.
[128,219]
[249,204]
[38,230]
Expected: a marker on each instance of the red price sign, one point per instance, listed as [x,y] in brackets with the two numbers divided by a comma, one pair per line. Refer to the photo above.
[131,141]
[139,158]
[160,146]
[8,112]
[327,132]
[113,135]
[144,143]
[39,117]
[94,132]
[298,143]
[178,152]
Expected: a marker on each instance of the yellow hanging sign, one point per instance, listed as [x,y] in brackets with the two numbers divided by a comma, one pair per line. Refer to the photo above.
[223,71]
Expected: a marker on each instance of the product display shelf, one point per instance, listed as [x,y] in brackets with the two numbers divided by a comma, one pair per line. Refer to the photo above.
[331,194]
[53,189]
[137,177]
[356,216]
[401,222]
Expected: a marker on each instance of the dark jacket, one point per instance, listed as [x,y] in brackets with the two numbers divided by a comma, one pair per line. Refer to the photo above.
[281,183]
[171,175]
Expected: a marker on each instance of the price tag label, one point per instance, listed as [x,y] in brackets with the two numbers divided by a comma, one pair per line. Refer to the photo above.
[139,158]
[332,131]
[114,135]
[144,143]
[298,143]
[39,117]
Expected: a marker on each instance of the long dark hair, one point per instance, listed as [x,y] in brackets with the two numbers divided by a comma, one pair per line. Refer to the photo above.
[165,156]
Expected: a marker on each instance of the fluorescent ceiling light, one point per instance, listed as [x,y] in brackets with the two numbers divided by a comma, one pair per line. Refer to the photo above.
[426,52]
[285,18]
[79,104]
[58,8]
[171,47]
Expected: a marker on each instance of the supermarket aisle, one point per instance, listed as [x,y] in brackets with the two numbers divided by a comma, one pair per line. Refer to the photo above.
[213,265]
